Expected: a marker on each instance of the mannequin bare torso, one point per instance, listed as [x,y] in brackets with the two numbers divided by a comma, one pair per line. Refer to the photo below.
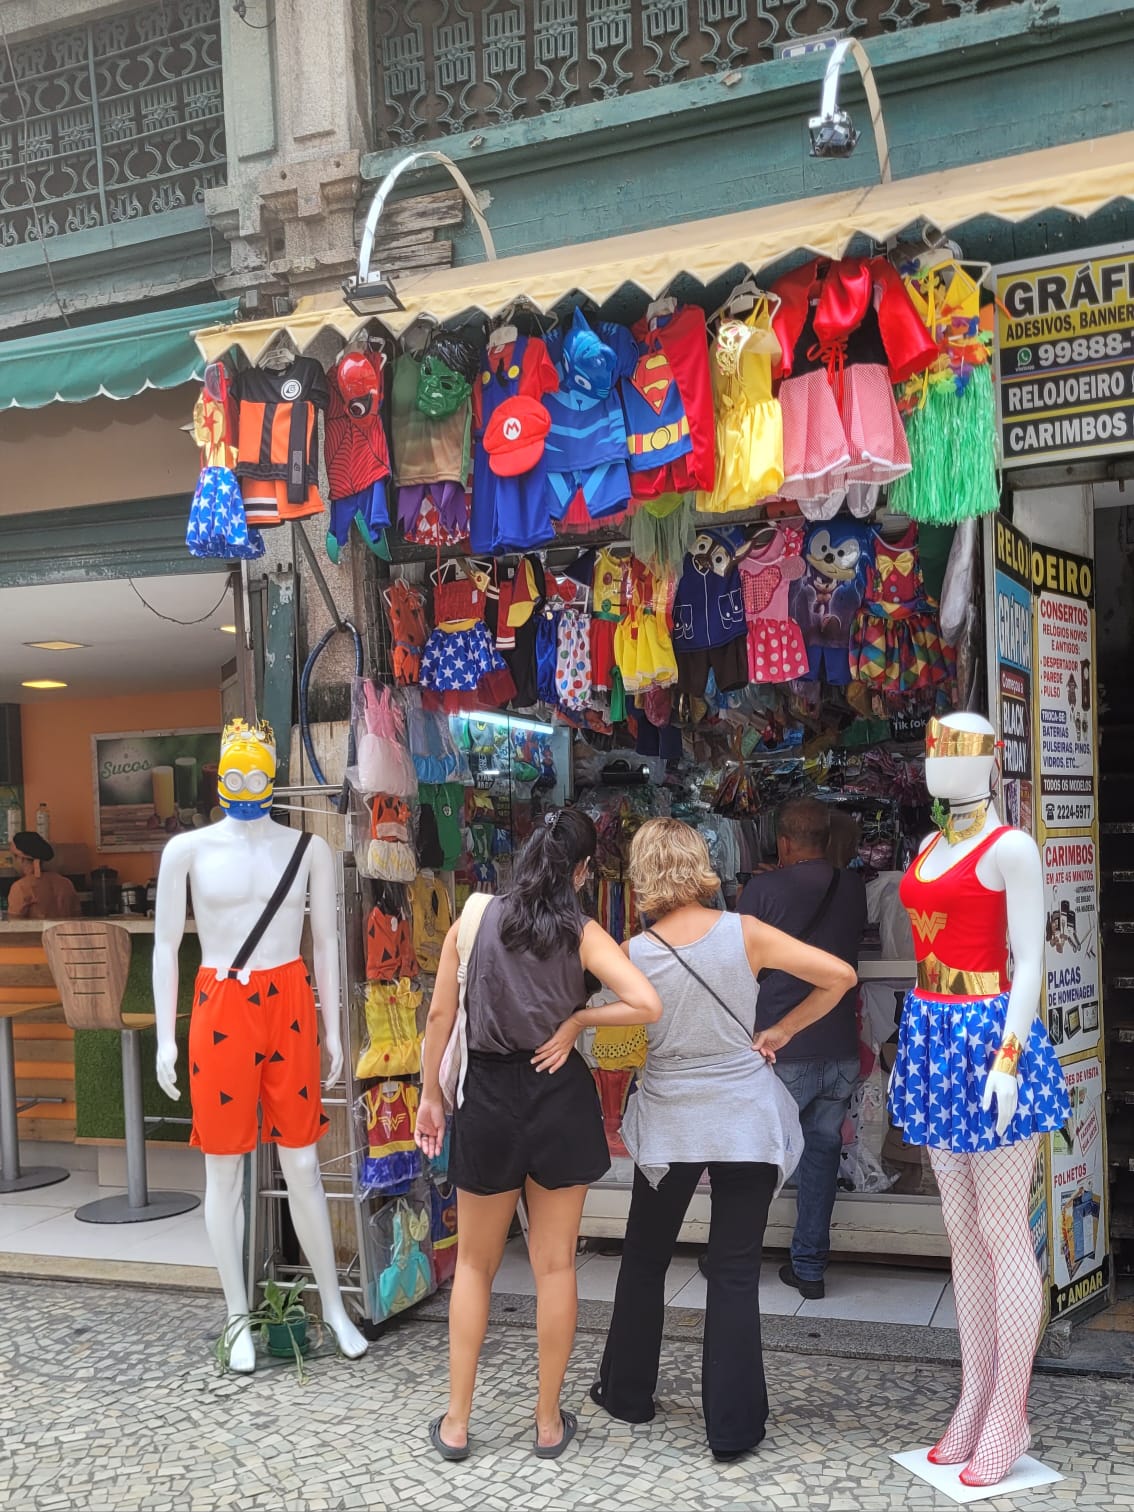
[232,869]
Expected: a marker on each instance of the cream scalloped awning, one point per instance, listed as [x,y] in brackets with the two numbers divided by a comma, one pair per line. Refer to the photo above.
[1078,179]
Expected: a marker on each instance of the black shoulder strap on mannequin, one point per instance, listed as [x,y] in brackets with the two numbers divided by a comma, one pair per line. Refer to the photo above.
[271,908]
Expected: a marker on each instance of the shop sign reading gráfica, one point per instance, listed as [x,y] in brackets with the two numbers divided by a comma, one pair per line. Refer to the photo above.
[1065,357]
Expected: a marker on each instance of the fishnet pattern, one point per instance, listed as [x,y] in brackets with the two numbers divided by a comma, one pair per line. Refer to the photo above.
[999,1298]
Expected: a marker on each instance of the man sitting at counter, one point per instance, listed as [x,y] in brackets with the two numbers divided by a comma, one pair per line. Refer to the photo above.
[38,894]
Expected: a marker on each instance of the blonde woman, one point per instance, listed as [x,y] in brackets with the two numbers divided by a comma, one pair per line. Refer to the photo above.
[707,1097]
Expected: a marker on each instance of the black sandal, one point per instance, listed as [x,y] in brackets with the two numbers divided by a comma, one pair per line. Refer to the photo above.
[553,1451]
[446,1451]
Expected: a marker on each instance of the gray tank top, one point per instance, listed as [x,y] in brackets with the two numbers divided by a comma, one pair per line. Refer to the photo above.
[515,1001]
[704,1093]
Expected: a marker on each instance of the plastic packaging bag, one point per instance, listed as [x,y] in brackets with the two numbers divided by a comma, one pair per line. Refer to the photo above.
[391,1162]
[392,1046]
[384,763]
[401,1254]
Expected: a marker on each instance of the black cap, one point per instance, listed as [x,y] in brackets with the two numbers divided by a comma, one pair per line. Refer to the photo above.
[33,846]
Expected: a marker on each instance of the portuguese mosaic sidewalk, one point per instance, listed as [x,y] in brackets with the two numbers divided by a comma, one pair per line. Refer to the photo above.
[109,1400]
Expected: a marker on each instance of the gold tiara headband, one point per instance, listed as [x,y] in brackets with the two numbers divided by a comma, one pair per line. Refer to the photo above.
[946,740]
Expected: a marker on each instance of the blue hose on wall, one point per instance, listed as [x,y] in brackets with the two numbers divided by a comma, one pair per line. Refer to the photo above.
[304,683]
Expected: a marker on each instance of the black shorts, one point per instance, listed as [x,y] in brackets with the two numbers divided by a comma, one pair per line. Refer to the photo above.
[517,1122]
[729,666]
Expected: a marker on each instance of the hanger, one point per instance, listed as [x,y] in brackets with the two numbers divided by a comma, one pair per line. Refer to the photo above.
[448,571]
[417,336]
[744,298]
[378,346]
[405,582]
[663,305]
[939,251]
[504,330]
[280,354]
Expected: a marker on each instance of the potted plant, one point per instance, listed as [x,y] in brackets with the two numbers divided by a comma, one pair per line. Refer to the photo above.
[282,1322]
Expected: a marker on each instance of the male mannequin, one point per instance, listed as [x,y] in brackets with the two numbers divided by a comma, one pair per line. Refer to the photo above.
[253,1034]
[969,1042]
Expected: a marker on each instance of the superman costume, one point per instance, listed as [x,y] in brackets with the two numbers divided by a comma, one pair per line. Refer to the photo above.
[668,401]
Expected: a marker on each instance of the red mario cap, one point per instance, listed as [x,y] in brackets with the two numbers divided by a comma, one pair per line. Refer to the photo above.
[515,436]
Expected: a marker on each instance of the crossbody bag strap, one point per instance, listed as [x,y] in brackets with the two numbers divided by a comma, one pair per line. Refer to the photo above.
[696,975]
[272,907]
[814,921]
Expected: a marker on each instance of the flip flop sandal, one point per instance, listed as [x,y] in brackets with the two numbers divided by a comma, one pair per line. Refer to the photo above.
[446,1451]
[553,1451]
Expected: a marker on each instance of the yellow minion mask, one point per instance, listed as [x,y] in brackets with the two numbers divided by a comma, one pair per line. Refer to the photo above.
[246,772]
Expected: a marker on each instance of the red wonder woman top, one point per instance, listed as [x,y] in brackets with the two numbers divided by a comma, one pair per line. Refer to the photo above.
[960,927]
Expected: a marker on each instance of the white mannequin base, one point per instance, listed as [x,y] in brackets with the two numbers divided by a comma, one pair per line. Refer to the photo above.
[1025,1475]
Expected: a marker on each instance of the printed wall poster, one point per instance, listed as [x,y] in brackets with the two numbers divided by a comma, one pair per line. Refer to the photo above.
[1078,1192]
[1071,943]
[150,785]
[1013,646]
[1040,637]
[1064,586]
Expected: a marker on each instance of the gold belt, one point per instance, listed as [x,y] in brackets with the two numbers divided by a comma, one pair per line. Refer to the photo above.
[951,981]
[658,440]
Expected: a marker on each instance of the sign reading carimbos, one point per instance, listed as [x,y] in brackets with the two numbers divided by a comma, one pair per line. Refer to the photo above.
[1065,357]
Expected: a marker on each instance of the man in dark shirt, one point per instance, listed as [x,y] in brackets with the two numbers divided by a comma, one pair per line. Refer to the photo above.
[812,900]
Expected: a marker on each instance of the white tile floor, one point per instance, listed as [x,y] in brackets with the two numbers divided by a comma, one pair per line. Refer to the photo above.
[43,1222]
[860,1293]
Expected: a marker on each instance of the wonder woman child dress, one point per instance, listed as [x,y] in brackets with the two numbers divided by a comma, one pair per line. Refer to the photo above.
[953,1021]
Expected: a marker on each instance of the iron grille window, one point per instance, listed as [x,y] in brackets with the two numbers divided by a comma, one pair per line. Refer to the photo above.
[458,65]
[111,120]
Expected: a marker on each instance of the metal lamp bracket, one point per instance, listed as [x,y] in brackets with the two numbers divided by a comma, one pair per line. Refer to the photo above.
[414,159]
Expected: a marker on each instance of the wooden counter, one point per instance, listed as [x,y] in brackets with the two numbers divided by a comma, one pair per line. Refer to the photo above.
[134,924]
[87,1076]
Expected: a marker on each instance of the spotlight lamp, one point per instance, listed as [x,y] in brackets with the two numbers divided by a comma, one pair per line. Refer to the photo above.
[833,133]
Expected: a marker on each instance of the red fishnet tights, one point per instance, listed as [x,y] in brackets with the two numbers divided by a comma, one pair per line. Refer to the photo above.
[999,1296]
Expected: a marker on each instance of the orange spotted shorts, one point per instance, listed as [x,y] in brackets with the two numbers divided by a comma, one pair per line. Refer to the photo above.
[250,1046]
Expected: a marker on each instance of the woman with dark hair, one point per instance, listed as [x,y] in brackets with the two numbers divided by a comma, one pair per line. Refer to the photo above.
[530,1120]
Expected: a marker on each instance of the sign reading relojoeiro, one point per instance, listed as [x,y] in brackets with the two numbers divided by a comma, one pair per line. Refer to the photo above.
[1065,357]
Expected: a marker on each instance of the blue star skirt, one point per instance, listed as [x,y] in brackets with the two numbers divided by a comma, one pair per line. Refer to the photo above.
[455,661]
[945,1051]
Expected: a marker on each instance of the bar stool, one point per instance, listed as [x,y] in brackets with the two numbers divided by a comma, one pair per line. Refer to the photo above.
[91,962]
[25,985]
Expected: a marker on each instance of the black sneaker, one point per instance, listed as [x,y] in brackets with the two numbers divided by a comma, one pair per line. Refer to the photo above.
[812,1290]
[703,1265]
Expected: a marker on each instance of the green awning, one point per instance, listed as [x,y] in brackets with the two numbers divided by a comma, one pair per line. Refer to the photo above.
[114,358]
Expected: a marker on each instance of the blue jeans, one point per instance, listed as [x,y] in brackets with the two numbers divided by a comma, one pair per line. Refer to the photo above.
[822,1091]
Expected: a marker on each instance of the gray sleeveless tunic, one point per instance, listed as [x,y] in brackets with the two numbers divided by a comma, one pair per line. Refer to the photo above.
[705,1094]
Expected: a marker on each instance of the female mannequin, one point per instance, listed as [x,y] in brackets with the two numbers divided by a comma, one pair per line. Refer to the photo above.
[977,1081]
